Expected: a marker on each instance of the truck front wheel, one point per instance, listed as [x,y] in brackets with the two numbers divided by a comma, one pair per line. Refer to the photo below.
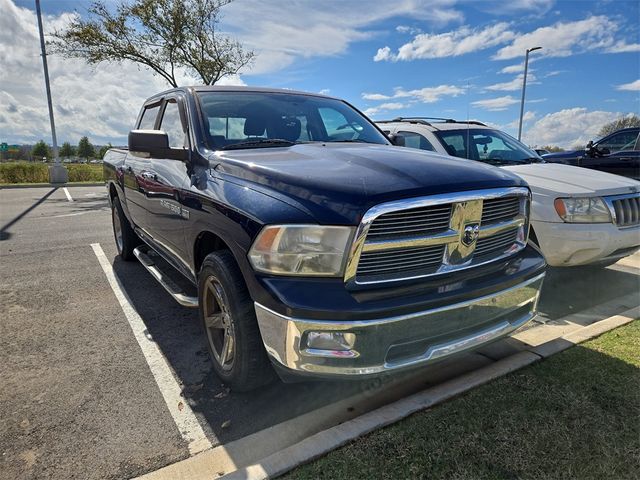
[126,239]
[230,325]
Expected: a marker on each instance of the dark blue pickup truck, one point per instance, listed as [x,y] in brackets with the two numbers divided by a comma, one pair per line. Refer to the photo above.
[316,246]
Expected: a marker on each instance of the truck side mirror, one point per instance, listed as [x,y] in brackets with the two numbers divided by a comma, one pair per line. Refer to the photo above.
[154,144]
[397,140]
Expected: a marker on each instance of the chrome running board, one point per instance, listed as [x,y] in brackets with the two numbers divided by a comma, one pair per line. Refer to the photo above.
[164,280]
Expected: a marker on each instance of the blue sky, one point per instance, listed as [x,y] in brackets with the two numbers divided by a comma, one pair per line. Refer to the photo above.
[446,58]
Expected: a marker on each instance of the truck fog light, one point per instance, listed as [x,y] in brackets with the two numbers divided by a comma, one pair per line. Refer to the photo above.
[331,340]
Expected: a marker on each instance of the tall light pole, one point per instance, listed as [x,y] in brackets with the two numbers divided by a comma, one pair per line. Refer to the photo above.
[524,87]
[57,173]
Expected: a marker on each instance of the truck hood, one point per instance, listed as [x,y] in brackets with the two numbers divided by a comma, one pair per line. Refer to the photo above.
[348,179]
[559,180]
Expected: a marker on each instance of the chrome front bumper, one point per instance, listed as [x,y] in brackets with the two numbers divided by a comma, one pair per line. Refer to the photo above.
[398,342]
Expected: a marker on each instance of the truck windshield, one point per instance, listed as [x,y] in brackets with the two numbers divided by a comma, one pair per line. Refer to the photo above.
[486,145]
[235,120]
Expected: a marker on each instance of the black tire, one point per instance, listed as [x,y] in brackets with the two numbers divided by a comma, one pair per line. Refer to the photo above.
[125,238]
[227,309]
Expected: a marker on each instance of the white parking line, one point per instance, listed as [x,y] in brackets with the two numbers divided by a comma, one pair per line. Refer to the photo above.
[66,192]
[180,410]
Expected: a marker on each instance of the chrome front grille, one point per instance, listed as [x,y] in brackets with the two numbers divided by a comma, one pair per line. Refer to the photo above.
[625,209]
[416,221]
[426,236]
[397,261]
[500,209]
[496,243]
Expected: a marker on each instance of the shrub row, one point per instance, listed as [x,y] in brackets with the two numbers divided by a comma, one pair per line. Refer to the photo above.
[22,172]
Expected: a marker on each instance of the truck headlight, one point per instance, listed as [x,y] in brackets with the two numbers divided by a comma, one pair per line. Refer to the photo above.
[305,250]
[582,210]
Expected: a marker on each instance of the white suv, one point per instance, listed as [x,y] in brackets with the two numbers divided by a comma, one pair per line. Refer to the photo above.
[578,217]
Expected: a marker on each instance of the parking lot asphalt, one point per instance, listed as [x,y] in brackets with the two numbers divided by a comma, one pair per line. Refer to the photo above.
[78,398]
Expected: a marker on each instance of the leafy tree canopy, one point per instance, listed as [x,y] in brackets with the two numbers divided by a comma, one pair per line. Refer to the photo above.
[103,150]
[41,150]
[627,121]
[67,150]
[553,148]
[162,35]
[85,148]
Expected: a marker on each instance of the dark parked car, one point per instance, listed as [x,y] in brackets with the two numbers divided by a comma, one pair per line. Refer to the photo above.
[617,153]
[314,244]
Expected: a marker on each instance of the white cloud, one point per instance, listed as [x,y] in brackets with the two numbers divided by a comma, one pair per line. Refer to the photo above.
[232,80]
[325,91]
[449,44]
[513,85]
[501,7]
[423,95]
[624,47]
[595,33]
[393,106]
[554,73]
[375,96]
[563,39]
[383,54]
[527,117]
[407,29]
[495,104]
[100,102]
[282,33]
[517,68]
[631,86]
[384,108]
[569,127]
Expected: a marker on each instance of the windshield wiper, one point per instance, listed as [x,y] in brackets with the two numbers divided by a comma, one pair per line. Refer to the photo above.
[262,142]
[497,161]
[353,140]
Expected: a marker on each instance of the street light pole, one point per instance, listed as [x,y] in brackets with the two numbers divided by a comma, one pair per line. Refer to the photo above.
[57,173]
[524,87]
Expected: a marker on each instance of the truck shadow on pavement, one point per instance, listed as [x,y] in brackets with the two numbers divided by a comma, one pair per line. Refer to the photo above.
[227,416]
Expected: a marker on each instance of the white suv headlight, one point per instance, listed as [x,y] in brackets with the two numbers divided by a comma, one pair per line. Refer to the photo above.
[582,210]
[304,250]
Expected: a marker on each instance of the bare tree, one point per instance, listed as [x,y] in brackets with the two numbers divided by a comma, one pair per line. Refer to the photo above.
[162,35]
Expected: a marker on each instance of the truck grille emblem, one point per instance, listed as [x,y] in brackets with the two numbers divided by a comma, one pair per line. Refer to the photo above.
[470,234]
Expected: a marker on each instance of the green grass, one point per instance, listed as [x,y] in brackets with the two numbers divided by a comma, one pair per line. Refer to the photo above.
[574,415]
[15,173]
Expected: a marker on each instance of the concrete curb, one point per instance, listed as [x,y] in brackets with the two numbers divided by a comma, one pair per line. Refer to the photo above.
[335,437]
[53,185]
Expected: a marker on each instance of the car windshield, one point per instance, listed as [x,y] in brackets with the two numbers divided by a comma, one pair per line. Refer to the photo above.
[486,145]
[235,120]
